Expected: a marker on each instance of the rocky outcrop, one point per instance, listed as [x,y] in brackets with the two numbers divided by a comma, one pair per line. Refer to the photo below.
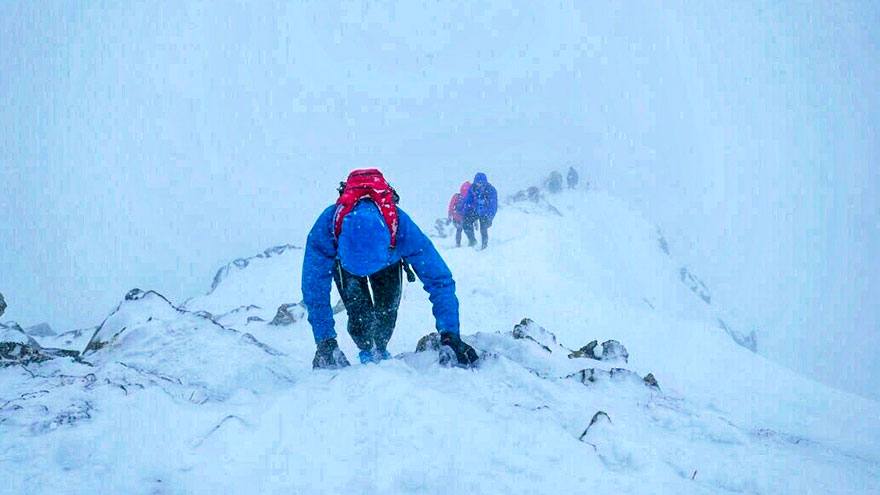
[611,350]
[589,376]
[695,285]
[288,314]
[2,304]
[242,263]
[17,347]
[531,331]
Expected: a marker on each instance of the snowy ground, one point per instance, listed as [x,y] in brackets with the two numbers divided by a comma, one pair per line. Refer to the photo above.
[174,400]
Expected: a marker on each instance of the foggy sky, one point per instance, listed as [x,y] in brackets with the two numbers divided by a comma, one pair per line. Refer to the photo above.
[144,145]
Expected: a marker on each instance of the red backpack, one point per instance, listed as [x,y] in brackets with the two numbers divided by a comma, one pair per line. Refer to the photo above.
[370,184]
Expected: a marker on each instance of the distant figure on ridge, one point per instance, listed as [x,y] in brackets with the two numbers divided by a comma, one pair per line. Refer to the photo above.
[572,178]
[455,217]
[479,205]
[554,182]
[362,243]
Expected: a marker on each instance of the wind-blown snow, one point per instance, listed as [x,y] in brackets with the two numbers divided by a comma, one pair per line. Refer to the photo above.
[168,400]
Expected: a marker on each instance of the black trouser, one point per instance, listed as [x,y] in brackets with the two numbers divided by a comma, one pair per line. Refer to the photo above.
[372,314]
[485,223]
[458,227]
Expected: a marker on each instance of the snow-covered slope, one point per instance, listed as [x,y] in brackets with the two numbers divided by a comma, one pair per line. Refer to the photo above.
[209,396]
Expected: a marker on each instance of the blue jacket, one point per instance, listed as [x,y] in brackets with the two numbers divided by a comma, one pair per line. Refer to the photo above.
[365,237]
[481,199]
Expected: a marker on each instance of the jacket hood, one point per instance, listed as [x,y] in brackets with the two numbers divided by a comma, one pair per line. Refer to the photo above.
[364,241]
[480,178]
[465,186]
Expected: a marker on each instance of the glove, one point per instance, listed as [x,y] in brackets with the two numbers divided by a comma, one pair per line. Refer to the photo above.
[329,356]
[465,354]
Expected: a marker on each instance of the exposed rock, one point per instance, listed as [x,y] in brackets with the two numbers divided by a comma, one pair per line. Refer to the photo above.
[695,285]
[430,342]
[17,347]
[529,330]
[749,341]
[589,376]
[443,227]
[651,381]
[661,241]
[613,350]
[244,262]
[152,304]
[288,314]
[587,351]
[2,304]
[254,319]
[600,418]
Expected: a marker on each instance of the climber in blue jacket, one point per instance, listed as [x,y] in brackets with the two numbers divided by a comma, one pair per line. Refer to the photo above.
[363,243]
[480,205]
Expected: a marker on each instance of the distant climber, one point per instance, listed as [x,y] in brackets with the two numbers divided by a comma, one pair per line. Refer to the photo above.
[554,182]
[362,243]
[572,178]
[455,217]
[479,205]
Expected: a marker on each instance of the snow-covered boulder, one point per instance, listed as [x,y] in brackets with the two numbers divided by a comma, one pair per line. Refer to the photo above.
[41,330]
[182,349]
[17,347]
[529,330]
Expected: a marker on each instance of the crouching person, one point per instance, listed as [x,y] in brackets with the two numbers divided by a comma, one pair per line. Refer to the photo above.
[362,243]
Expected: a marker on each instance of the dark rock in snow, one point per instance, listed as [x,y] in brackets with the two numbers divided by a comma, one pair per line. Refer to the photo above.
[244,262]
[254,319]
[443,227]
[661,241]
[613,350]
[749,341]
[2,304]
[587,351]
[529,330]
[17,347]
[588,376]
[430,342]
[600,418]
[288,314]
[695,285]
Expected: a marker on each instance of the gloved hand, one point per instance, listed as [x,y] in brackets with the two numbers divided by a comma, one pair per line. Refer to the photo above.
[329,356]
[465,354]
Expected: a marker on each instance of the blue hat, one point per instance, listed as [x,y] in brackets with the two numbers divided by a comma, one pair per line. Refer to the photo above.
[364,240]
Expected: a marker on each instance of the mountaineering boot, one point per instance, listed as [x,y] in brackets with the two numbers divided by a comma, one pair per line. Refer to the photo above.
[329,356]
[373,356]
[464,354]
[367,356]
